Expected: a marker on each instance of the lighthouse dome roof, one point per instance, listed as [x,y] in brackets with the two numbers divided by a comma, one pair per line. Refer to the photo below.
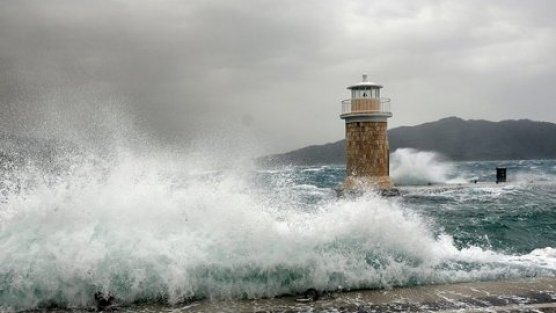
[365,83]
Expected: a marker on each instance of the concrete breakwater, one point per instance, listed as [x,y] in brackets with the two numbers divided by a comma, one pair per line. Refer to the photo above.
[523,295]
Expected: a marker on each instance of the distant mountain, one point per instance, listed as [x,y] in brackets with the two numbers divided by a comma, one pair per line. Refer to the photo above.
[457,139]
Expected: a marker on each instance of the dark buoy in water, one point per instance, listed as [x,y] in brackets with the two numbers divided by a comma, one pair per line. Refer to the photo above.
[500,175]
[103,301]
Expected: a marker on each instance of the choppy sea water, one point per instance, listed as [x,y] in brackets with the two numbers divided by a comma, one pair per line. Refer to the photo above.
[157,230]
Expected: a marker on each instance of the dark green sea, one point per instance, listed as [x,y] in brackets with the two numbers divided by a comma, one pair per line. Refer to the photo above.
[159,231]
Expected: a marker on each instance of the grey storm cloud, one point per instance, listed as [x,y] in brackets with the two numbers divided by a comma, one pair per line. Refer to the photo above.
[272,70]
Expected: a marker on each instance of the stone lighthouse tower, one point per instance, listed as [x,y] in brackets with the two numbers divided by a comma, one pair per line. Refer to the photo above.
[367,150]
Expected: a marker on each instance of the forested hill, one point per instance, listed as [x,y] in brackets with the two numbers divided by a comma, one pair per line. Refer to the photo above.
[457,139]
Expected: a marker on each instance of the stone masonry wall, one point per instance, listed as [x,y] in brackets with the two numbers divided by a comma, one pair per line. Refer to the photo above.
[367,149]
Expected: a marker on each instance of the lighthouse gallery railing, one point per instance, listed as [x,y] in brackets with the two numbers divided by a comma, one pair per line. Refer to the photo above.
[366,106]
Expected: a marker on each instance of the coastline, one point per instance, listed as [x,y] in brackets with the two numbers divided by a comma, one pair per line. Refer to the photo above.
[523,295]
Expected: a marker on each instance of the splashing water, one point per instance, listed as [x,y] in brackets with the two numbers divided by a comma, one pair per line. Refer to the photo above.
[413,167]
[146,229]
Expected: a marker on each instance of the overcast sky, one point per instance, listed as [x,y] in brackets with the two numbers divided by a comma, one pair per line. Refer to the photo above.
[274,71]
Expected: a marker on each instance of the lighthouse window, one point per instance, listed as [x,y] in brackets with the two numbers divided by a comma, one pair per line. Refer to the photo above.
[363,93]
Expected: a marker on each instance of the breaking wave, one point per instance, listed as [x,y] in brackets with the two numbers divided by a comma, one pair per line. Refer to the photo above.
[145,229]
[413,167]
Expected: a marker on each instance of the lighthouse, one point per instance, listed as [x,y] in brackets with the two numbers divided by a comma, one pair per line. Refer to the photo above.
[367,150]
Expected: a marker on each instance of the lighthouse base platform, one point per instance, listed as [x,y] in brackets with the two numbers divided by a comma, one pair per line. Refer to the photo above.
[357,186]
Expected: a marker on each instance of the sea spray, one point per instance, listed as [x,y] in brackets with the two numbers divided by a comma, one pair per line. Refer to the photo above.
[413,167]
[147,229]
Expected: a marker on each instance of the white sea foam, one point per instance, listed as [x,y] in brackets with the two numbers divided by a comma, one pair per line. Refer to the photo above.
[134,229]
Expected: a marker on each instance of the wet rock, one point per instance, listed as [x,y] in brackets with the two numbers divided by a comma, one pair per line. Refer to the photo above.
[103,301]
